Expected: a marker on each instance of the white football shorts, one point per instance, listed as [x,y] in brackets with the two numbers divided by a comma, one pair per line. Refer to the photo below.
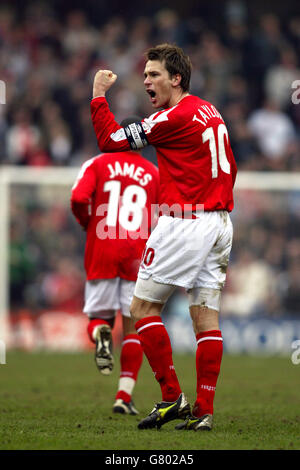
[102,296]
[189,253]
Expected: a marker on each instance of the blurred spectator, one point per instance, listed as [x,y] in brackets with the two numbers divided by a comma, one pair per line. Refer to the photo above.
[217,67]
[262,52]
[274,132]
[79,35]
[63,288]
[291,295]
[22,138]
[21,265]
[244,147]
[60,144]
[250,283]
[168,28]
[279,78]
[293,31]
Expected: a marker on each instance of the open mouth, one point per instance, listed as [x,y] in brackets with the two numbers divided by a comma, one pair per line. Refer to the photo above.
[152,95]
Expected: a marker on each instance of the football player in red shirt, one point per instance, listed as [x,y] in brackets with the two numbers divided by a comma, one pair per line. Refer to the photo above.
[111,199]
[191,243]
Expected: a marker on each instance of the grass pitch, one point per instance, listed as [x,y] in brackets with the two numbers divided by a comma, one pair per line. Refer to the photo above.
[60,401]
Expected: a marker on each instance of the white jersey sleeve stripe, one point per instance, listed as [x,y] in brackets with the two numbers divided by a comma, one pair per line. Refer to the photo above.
[119,135]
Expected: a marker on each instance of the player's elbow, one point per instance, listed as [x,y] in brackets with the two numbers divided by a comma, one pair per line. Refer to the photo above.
[114,142]
[78,198]
[104,147]
[107,146]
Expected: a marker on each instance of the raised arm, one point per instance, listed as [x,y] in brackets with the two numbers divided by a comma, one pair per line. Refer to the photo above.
[110,135]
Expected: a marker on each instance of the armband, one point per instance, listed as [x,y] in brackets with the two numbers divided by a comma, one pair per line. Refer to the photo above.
[136,136]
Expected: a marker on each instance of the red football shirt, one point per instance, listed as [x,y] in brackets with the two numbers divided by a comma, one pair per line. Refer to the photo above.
[112,200]
[195,160]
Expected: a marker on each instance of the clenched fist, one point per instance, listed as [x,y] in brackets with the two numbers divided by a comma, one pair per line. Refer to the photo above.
[103,80]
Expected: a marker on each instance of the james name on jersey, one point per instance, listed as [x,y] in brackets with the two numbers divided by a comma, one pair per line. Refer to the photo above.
[137,173]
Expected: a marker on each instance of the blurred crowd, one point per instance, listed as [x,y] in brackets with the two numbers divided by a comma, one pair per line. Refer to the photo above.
[263,277]
[245,65]
[47,246]
[264,271]
[46,252]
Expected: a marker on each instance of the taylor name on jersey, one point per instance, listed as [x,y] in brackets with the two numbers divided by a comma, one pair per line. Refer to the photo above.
[195,159]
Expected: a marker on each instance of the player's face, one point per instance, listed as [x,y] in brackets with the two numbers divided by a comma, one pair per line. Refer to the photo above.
[158,83]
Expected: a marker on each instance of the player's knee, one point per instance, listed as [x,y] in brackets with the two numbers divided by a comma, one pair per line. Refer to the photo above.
[135,309]
[142,308]
[204,308]
[204,297]
[128,325]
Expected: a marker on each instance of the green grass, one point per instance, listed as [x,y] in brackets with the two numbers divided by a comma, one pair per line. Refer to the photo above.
[60,401]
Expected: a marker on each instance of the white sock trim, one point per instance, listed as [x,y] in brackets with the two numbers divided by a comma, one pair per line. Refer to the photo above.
[149,324]
[137,341]
[216,338]
[126,384]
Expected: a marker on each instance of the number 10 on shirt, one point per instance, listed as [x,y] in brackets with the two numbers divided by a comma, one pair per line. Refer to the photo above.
[208,135]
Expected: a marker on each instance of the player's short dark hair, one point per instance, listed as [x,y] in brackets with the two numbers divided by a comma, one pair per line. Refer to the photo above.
[130,120]
[175,61]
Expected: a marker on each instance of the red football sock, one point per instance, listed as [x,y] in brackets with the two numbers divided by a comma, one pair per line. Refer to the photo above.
[92,324]
[208,363]
[131,360]
[157,348]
